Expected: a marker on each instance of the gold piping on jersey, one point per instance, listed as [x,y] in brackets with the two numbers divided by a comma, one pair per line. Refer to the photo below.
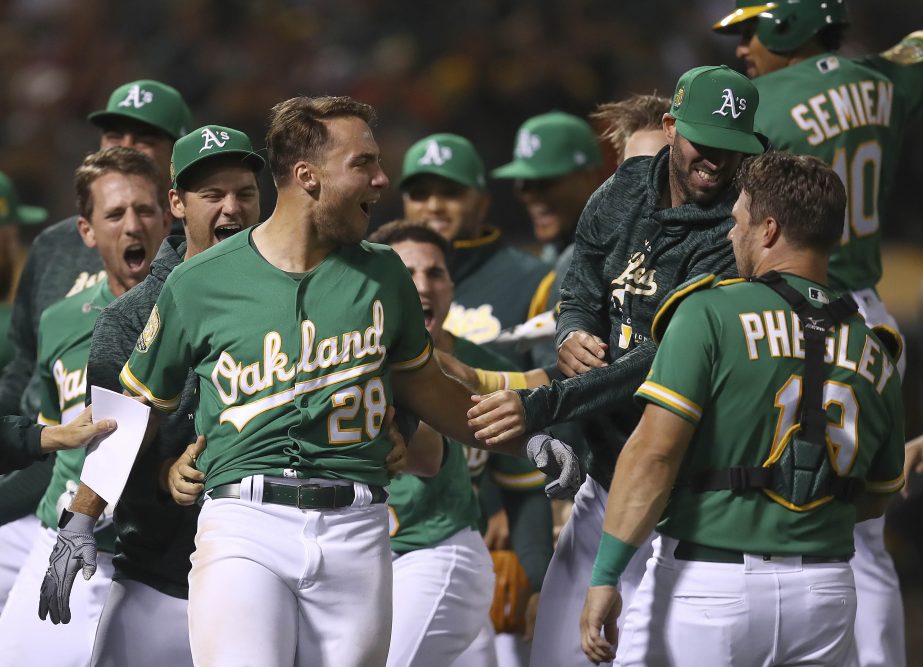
[492,235]
[539,303]
[670,303]
[660,394]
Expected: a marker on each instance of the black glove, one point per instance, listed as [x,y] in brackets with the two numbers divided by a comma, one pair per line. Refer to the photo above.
[75,549]
[558,461]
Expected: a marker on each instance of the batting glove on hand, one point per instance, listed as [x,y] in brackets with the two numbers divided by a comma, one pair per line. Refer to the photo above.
[558,461]
[74,550]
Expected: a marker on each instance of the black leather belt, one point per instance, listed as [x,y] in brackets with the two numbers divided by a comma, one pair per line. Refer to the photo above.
[303,496]
[700,552]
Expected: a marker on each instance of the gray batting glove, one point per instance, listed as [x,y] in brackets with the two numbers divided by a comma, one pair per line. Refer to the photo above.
[558,461]
[74,550]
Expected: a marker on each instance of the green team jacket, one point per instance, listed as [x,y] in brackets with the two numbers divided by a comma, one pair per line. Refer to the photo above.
[495,286]
[629,256]
[852,114]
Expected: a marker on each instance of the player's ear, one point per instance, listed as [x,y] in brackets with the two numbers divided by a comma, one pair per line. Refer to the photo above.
[306,175]
[86,232]
[177,205]
[669,127]
[772,232]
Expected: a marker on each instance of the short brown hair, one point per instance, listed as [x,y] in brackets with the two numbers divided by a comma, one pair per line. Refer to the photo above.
[398,231]
[802,193]
[297,130]
[620,120]
[117,159]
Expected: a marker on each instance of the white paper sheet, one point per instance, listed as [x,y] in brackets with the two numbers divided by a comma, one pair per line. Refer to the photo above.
[109,462]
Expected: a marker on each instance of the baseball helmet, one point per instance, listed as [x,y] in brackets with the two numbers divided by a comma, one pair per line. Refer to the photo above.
[785,25]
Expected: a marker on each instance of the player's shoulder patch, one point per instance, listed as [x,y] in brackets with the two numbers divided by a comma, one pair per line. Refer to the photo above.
[671,302]
[151,329]
[909,51]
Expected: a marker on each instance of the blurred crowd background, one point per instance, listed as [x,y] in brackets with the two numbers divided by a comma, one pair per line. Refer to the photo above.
[477,68]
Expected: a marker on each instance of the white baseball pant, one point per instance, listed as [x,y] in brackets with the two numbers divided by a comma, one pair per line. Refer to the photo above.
[142,627]
[25,639]
[16,538]
[557,627]
[277,585]
[482,651]
[441,596]
[880,614]
[757,614]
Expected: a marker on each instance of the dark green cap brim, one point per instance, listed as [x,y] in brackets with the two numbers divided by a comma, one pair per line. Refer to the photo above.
[529,169]
[436,170]
[102,119]
[248,158]
[31,215]
[722,137]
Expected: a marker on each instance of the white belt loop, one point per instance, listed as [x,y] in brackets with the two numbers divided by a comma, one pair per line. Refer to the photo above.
[363,495]
[251,489]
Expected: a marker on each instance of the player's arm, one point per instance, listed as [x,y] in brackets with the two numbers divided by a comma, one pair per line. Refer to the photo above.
[583,299]
[110,348]
[888,468]
[442,402]
[509,414]
[425,452]
[641,485]
[484,381]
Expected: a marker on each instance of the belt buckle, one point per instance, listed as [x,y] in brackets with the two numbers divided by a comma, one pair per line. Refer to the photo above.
[301,504]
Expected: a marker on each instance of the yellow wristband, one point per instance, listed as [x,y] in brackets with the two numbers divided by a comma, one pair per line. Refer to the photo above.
[491,381]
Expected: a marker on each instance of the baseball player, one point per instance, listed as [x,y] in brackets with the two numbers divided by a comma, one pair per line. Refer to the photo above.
[753,451]
[216,194]
[852,115]
[147,116]
[655,223]
[293,330]
[119,197]
[633,126]
[496,286]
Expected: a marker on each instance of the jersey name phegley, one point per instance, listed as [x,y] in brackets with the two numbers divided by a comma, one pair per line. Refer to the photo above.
[779,333]
[826,115]
[231,377]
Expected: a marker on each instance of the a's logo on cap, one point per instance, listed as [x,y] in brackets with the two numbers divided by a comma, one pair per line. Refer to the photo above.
[212,140]
[527,144]
[678,98]
[435,154]
[729,103]
[137,97]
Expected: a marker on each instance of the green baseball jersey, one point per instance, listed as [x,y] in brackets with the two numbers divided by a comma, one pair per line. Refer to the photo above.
[731,363]
[64,335]
[426,510]
[293,371]
[852,117]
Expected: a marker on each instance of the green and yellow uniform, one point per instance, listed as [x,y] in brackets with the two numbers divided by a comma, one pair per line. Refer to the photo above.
[65,331]
[731,363]
[293,375]
[851,114]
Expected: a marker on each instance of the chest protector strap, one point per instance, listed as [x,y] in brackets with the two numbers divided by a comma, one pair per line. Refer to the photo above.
[799,474]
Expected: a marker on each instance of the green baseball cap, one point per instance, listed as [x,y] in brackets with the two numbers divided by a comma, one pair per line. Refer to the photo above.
[210,141]
[715,106]
[12,212]
[149,102]
[552,144]
[447,155]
